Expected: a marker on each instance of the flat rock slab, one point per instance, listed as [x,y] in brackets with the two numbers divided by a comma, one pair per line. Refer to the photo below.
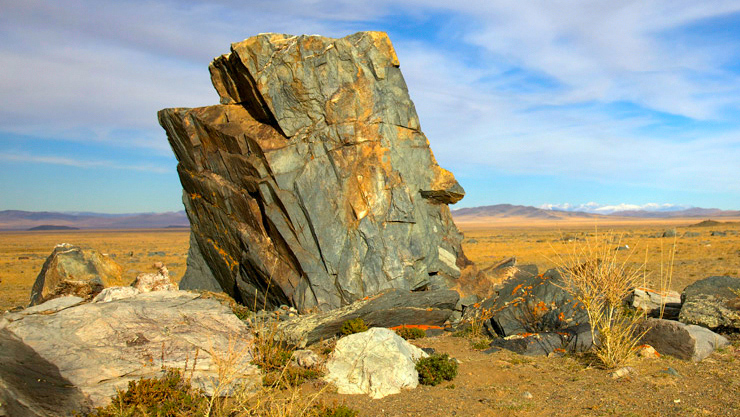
[683,341]
[572,340]
[389,309]
[376,362]
[99,347]
[711,303]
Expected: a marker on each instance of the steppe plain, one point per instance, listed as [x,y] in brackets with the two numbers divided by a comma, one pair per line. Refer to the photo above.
[495,384]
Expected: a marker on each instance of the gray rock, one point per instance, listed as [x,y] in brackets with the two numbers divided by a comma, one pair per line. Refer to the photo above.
[99,347]
[687,342]
[651,301]
[307,359]
[70,270]
[533,304]
[711,303]
[312,184]
[377,362]
[198,275]
[691,234]
[669,233]
[572,340]
[390,309]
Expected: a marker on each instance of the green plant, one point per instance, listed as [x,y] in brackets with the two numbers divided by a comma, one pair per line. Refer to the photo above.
[340,410]
[409,333]
[482,344]
[170,395]
[353,326]
[436,368]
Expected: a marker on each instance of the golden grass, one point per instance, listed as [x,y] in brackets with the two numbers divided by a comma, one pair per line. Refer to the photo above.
[695,257]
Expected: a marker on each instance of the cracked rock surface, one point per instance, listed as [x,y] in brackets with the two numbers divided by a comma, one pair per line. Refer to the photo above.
[312,184]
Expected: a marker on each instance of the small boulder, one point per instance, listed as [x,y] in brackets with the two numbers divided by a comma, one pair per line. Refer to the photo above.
[377,362]
[712,303]
[159,281]
[669,233]
[115,293]
[653,301]
[683,341]
[306,359]
[70,270]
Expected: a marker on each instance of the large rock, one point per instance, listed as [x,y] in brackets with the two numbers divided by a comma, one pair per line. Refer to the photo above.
[531,304]
[70,270]
[99,347]
[312,184]
[712,303]
[389,309]
[683,341]
[377,362]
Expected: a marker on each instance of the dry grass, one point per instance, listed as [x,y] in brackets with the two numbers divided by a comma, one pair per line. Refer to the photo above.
[594,274]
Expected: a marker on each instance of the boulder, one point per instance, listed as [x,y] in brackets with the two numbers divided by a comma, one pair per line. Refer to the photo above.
[653,301]
[99,347]
[389,309]
[683,341]
[713,303]
[377,362]
[159,281]
[312,183]
[531,304]
[669,233]
[115,293]
[70,270]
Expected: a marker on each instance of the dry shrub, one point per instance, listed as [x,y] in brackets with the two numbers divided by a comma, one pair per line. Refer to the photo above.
[593,275]
[478,321]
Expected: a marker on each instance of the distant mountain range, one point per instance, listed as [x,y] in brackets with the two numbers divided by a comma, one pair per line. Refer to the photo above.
[45,220]
[504,211]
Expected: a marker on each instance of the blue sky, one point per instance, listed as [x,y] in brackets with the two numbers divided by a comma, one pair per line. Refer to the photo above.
[527,102]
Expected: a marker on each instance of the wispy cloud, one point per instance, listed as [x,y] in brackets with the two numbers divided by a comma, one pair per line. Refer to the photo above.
[78,163]
[597,208]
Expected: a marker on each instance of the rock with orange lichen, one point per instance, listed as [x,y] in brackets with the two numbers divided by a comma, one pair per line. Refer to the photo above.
[312,183]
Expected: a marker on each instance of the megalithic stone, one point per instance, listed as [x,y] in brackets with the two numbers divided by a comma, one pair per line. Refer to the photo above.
[312,184]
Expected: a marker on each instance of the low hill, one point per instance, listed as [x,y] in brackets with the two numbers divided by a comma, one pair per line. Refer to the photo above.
[52,227]
[504,211]
[43,220]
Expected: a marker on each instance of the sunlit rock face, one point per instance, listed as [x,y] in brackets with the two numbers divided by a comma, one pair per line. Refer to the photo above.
[311,184]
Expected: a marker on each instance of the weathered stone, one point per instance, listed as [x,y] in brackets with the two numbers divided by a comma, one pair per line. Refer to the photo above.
[683,341]
[532,304]
[99,347]
[306,359]
[377,362]
[70,270]
[390,309]
[669,233]
[198,275]
[654,302]
[313,185]
[159,281]
[711,303]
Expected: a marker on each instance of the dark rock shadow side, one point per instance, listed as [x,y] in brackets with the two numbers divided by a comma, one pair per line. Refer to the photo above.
[32,386]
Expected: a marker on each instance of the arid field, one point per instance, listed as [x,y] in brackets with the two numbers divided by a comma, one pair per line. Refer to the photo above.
[502,383]
[22,254]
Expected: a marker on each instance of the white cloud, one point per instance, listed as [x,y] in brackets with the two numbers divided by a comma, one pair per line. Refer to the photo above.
[597,208]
